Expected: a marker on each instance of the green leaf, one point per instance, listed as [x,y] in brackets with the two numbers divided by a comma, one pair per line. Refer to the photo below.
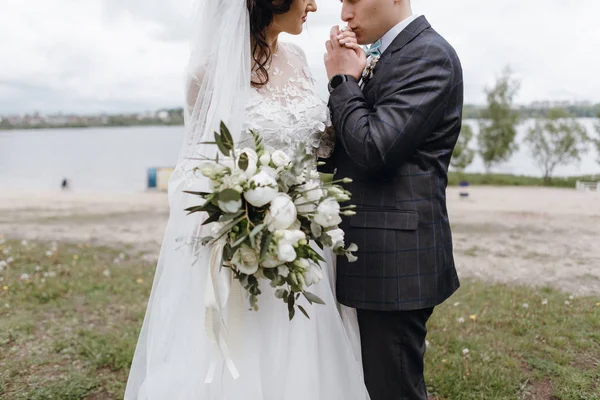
[212,218]
[318,256]
[222,148]
[227,140]
[243,162]
[194,209]
[229,195]
[229,217]
[313,298]
[281,293]
[264,245]
[304,311]
[257,230]
[202,194]
[240,241]
[291,302]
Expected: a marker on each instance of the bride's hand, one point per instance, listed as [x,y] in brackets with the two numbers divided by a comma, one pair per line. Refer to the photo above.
[347,39]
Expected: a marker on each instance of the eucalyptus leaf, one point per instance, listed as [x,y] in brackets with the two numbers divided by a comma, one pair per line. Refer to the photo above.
[264,245]
[239,241]
[304,311]
[313,298]
[257,230]
[291,309]
[229,217]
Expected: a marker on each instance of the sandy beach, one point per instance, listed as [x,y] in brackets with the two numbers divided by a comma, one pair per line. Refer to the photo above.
[532,236]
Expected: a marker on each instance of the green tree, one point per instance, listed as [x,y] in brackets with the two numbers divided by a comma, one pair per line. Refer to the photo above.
[596,140]
[498,129]
[462,156]
[557,140]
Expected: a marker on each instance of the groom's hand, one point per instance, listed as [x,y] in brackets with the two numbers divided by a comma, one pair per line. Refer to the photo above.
[344,56]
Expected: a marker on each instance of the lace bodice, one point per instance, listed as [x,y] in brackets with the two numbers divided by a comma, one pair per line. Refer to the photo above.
[287,111]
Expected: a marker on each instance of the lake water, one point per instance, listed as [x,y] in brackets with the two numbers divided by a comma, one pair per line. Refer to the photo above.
[117,159]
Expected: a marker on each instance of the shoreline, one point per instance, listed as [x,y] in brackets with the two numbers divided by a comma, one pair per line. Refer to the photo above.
[536,236]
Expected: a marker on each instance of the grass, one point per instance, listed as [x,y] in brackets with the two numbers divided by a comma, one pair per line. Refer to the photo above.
[454,178]
[69,328]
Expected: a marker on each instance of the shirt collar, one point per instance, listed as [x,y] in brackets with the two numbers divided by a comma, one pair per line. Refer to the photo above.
[390,35]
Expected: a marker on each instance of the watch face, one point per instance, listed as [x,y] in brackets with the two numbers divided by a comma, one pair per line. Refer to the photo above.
[337,80]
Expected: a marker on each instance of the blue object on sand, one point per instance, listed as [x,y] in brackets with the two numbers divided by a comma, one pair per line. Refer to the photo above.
[151,178]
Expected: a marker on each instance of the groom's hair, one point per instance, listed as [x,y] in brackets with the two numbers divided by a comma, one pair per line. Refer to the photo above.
[261,17]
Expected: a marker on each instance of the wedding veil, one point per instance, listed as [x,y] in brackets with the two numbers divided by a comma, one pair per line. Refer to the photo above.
[169,360]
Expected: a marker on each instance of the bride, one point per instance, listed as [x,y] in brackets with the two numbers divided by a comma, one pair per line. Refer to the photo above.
[241,74]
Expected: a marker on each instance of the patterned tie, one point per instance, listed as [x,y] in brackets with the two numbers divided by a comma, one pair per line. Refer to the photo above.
[373,50]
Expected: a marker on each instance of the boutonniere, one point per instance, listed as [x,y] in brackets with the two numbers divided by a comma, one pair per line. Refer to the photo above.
[368,72]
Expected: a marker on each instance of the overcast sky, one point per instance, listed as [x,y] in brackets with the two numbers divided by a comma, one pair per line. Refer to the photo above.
[129,55]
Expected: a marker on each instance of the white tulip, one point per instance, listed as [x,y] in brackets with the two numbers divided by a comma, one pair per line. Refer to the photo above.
[265,189]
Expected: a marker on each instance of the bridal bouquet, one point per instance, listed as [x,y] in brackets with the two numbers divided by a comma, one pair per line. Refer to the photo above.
[265,207]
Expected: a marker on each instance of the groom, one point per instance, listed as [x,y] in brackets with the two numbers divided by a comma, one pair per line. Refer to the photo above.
[396,128]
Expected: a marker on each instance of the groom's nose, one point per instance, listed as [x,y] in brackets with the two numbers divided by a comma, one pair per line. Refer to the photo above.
[347,12]
[313,4]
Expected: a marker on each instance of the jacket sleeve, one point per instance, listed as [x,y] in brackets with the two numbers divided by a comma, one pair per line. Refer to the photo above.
[411,100]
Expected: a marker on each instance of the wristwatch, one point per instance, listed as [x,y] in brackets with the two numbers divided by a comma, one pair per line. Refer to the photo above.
[337,80]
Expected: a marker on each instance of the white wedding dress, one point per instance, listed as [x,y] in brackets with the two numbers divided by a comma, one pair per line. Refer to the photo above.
[277,359]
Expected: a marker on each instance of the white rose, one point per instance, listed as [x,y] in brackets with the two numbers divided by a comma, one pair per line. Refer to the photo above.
[280,159]
[252,161]
[246,260]
[336,235]
[328,213]
[265,189]
[265,159]
[286,242]
[282,213]
[230,207]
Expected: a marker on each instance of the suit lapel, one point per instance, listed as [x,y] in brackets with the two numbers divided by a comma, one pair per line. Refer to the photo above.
[413,30]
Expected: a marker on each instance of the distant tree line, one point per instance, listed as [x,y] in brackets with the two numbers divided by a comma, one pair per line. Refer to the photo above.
[556,138]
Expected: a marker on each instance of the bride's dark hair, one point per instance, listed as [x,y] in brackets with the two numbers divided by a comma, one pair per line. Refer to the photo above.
[261,17]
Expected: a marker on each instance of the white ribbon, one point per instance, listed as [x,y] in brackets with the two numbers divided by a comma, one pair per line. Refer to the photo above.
[220,287]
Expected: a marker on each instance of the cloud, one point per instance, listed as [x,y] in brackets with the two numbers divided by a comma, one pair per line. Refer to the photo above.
[114,55]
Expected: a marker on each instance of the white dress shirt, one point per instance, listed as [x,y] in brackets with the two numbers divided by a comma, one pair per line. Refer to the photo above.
[390,35]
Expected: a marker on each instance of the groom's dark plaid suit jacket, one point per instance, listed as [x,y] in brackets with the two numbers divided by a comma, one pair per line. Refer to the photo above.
[394,139]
